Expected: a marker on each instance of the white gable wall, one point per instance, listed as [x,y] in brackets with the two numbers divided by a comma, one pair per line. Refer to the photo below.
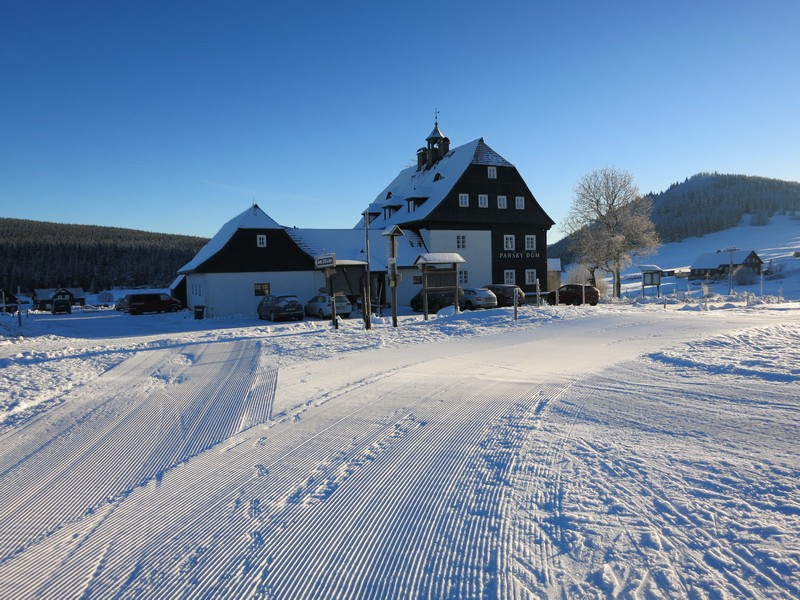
[407,287]
[225,294]
[477,251]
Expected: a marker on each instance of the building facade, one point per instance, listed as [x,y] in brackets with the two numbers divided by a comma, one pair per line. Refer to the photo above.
[472,201]
[467,200]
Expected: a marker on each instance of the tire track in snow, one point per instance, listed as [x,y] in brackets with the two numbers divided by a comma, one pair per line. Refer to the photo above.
[372,500]
[159,421]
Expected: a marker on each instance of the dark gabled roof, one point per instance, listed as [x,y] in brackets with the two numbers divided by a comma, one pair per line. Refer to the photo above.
[484,155]
[347,244]
[252,218]
[50,292]
[717,260]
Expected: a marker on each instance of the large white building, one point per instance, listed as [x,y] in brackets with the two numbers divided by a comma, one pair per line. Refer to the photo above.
[472,201]
[467,200]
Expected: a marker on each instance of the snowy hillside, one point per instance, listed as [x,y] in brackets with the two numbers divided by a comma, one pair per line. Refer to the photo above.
[599,452]
[777,241]
[776,244]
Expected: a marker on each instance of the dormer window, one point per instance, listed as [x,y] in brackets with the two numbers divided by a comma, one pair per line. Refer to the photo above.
[438,176]
[413,204]
[492,172]
[261,240]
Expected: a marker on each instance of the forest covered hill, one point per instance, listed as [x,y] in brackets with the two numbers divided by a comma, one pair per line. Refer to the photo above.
[38,254]
[709,202]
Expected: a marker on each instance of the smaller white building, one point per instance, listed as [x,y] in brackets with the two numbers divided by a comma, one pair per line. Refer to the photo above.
[252,255]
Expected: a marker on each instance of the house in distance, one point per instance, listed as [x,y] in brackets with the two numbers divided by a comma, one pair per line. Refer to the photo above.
[717,264]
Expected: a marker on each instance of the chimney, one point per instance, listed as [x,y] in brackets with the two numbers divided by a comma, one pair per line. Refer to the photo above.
[421,158]
[444,147]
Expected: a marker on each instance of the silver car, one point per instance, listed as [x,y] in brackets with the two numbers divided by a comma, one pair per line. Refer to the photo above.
[473,298]
[320,306]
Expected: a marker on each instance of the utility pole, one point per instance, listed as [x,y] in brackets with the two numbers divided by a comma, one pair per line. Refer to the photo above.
[367,302]
[730,250]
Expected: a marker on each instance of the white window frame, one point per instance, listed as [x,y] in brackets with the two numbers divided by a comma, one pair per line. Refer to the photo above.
[261,240]
[492,172]
[461,242]
[463,200]
[520,202]
[509,243]
[483,200]
[502,202]
[530,277]
[510,277]
[530,243]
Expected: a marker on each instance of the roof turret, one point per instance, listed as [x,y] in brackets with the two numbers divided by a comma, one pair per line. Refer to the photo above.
[436,135]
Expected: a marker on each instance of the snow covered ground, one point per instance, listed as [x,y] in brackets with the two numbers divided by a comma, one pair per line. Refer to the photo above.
[623,450]
[644,448]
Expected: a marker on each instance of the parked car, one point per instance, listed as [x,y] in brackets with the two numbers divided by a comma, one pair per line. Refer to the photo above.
[61,305]
[437,300]
[275,308]
[505,293]
[573,293]
[473,298]
[151,302]
[320,306]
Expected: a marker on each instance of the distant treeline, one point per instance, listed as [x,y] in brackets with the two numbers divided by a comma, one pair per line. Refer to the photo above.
[709,202]
[36,254]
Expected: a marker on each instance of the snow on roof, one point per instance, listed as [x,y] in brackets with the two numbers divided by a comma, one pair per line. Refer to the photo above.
[50,292]
[649,268]
[714,260]
[438,258]
[177,281]
[349,246]
[252,218]
[430,185]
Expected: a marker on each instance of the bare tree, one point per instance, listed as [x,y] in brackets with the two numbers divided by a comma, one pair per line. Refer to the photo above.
[609,222]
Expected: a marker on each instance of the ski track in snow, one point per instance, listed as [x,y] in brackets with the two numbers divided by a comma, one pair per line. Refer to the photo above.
[519,465]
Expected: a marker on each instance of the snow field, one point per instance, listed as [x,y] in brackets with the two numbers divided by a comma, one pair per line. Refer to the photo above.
[596,452]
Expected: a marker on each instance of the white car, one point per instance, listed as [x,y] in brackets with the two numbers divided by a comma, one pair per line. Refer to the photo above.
[473,298]
[320,306]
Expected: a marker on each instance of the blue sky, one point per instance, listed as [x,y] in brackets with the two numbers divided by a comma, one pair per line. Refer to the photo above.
[176,116]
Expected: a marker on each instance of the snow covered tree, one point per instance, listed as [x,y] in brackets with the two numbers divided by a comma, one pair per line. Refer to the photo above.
[609,222]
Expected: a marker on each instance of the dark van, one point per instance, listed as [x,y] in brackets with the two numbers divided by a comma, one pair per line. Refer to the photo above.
[142,303]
